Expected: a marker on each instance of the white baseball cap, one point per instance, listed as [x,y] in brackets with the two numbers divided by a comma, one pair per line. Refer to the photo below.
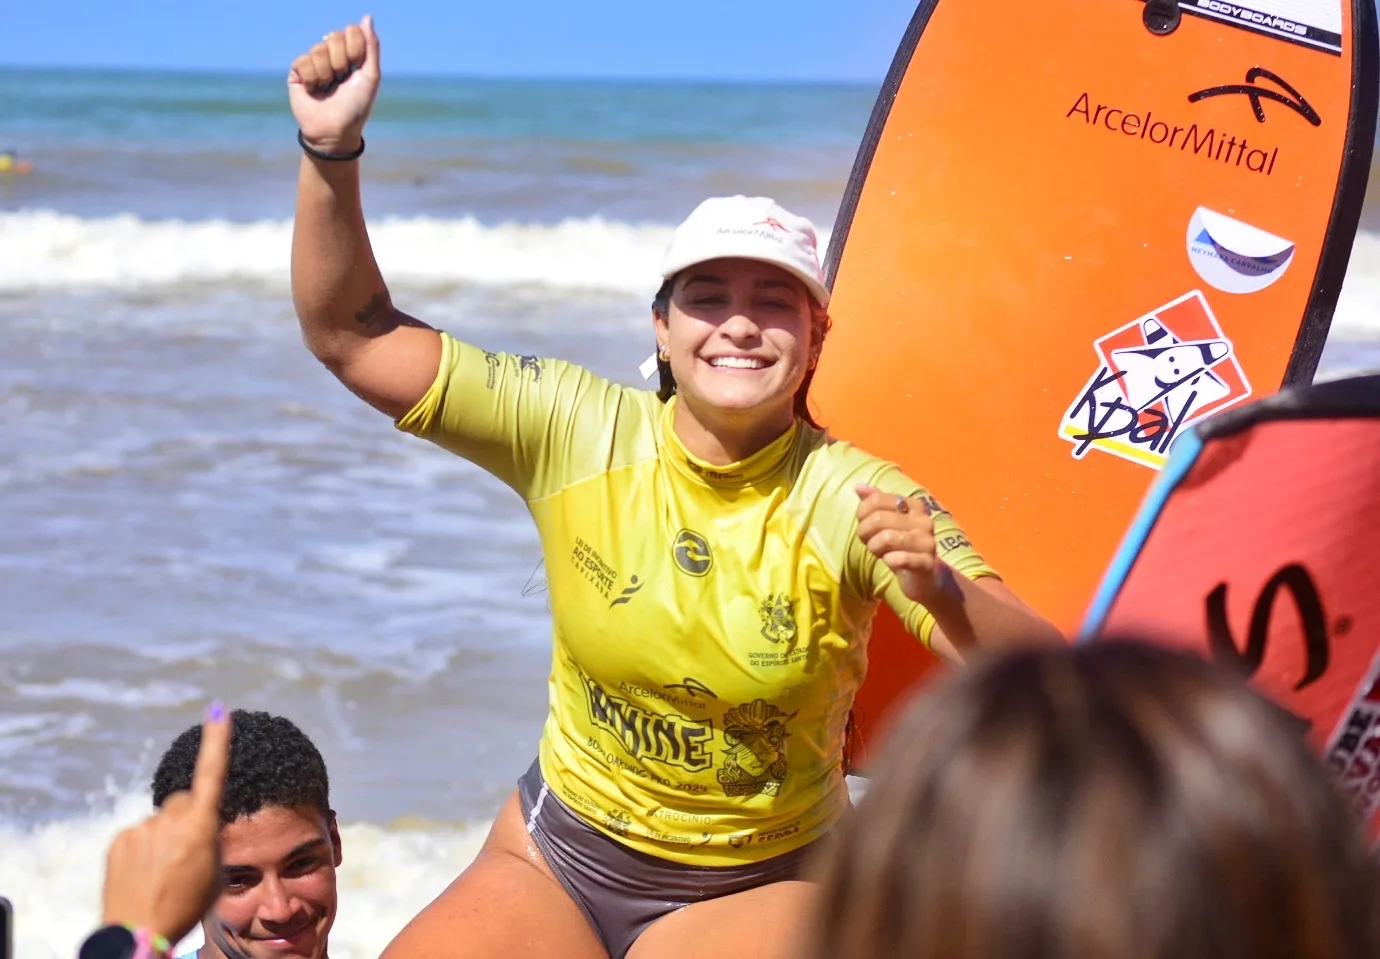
[750,228]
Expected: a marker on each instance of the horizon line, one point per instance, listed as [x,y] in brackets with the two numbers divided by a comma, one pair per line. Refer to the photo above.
[261,72]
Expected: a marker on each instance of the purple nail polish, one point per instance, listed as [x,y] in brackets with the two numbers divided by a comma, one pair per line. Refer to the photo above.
[216,712]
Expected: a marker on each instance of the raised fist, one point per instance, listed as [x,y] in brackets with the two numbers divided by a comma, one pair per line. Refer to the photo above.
[333,85]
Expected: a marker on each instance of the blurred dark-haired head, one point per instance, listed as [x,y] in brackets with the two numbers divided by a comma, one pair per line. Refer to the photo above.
[1113,800]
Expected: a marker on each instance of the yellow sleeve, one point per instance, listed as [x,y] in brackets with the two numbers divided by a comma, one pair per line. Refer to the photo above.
[871,577]
[535,423]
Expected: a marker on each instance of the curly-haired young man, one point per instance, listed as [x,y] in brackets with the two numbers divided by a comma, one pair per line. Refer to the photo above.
[279,843]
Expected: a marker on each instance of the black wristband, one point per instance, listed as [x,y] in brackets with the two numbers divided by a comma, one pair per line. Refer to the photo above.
[109,942]
[338,157]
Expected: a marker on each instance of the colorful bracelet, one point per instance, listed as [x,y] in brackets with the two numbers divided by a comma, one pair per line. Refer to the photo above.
[151,945]
[124,941]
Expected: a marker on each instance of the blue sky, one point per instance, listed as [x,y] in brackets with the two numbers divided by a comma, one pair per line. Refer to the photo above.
[708,39]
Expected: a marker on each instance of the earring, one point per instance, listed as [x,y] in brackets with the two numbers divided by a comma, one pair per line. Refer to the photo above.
[661,353]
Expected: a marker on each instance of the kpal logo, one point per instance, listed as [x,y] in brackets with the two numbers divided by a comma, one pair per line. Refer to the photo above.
[692,553]
[1157,374]
[1294,100]
[1233,256]
[772,222]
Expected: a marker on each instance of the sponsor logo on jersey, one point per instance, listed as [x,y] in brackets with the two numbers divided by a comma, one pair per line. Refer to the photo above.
[599,574]
[716,475]
[692,686]
[617,821]
[527,365]
[778,618]
[626,596]
[776,835]
[754,761]
[692,553]
[662,737]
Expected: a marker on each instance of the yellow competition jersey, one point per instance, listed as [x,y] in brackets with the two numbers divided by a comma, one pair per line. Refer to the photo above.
[710,622]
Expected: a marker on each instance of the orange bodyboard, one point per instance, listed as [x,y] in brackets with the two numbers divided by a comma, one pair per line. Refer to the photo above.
[1069,236]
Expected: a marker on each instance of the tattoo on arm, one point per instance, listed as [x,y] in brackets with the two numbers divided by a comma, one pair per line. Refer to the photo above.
[378,316]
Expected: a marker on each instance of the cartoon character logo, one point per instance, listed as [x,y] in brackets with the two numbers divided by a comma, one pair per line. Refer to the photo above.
[1159,373]
[755,761]
[778,618]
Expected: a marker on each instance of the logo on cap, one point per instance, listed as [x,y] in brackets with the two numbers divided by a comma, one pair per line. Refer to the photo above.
[772,222]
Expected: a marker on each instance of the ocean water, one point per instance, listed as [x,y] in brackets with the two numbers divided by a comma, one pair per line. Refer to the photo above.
[190,506]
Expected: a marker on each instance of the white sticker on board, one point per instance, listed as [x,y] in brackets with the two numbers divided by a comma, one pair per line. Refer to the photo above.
[1234,256]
